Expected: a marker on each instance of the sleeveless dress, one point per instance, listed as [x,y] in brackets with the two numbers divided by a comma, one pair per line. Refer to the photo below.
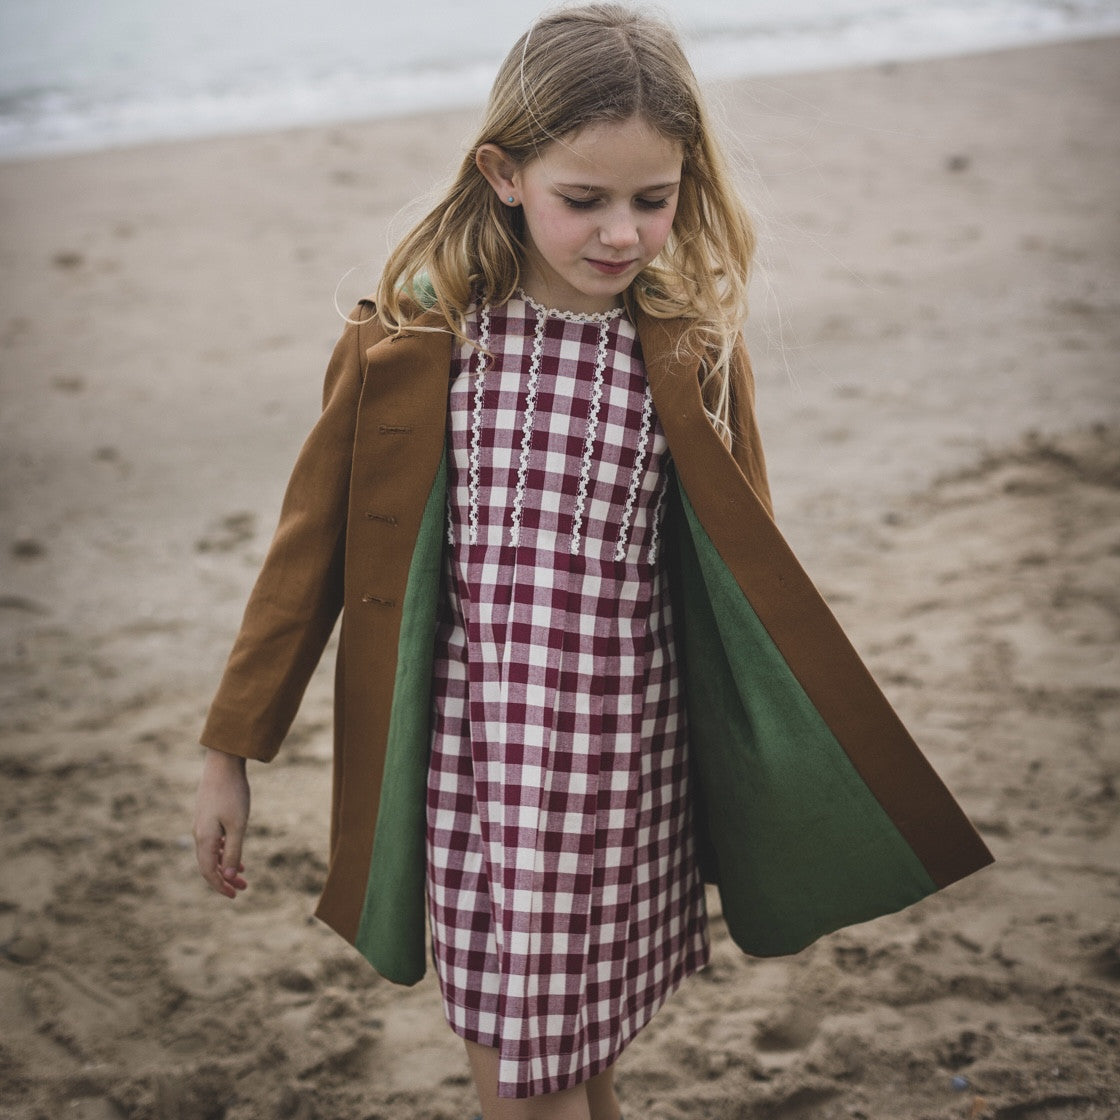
[564,898]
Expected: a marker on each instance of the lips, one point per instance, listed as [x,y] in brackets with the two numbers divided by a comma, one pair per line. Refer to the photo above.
[611,268]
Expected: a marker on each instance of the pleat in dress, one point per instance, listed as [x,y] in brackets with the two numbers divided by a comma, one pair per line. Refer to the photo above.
[564,899]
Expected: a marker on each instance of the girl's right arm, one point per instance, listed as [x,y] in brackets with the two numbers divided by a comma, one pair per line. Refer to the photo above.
[298,594]
[288,619]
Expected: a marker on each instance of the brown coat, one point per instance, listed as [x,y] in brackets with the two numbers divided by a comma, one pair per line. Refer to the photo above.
[365,491]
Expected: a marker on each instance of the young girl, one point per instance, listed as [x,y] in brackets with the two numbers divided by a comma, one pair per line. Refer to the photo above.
[579,670]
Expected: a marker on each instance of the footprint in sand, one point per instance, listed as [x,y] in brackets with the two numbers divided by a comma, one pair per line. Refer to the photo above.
[28,548]
[20,603]
[793,1028]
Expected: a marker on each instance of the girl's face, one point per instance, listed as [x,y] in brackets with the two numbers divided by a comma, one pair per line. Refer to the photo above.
[598,208]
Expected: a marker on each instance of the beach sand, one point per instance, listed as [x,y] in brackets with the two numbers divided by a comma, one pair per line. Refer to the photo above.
[936,330]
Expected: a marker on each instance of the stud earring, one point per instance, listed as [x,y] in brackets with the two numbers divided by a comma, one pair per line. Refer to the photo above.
[510,200]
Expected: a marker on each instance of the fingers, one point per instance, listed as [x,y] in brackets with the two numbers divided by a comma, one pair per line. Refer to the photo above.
[217,867]
[234,878]
[218,852]
[230,862]
[208,846]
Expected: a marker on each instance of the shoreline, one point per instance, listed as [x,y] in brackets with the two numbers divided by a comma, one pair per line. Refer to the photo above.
[715,80]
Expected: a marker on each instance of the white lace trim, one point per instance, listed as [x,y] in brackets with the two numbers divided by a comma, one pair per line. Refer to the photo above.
[655,537]
[542,313]
[527,426]
[473,474]
[635,476]
[571,316]
[592,430]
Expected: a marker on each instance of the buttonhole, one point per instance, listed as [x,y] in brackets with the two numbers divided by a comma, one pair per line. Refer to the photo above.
[380,602]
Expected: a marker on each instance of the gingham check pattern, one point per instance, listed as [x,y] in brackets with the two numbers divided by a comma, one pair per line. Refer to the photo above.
[564,899]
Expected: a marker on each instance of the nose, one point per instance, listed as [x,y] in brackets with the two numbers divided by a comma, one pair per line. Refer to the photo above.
[619,230]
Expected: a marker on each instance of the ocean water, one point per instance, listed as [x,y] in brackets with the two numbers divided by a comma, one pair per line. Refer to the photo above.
[84,74]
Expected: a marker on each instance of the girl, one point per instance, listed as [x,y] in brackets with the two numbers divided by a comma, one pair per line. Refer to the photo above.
[579,670]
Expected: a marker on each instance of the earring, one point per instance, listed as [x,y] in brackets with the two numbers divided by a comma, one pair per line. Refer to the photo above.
[510,200]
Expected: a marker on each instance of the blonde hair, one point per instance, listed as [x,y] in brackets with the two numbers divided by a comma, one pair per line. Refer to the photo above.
[576,67]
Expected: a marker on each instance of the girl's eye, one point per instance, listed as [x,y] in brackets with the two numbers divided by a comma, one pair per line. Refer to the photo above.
[640,203]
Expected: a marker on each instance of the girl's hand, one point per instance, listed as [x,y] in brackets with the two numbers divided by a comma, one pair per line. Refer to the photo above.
[220,816]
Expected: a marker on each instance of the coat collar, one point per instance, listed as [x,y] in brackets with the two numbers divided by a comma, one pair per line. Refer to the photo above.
[425,343]
[415,363]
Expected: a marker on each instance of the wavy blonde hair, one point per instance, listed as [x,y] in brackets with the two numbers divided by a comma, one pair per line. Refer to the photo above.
[576,67]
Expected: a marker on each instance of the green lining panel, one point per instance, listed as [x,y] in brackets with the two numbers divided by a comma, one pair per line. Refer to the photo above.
[801,845]
[391,930]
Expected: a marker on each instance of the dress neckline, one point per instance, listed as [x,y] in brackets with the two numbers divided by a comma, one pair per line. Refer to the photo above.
[571,316]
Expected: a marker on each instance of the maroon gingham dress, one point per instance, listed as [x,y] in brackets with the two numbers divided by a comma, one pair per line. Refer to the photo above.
[564,898]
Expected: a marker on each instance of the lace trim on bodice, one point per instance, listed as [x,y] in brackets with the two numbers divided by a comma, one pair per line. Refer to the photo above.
[481,364]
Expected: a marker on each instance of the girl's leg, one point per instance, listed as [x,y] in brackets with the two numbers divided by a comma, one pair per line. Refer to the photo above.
[601,1098]
[571,1104]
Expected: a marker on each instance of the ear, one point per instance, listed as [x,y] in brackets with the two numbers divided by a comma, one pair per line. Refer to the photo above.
[500,171]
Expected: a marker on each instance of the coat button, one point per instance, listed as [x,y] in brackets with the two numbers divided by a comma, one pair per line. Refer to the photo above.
[376,599]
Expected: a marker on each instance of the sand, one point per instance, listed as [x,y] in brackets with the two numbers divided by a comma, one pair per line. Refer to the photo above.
[936,332]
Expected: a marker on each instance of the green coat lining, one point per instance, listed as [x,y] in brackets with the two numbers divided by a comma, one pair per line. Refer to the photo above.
[391,929]
[799,843]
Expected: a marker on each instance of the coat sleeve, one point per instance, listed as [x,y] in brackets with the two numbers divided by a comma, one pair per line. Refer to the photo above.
[746,443]
[298,594]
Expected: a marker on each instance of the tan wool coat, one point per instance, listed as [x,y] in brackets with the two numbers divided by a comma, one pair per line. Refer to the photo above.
[814,807]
